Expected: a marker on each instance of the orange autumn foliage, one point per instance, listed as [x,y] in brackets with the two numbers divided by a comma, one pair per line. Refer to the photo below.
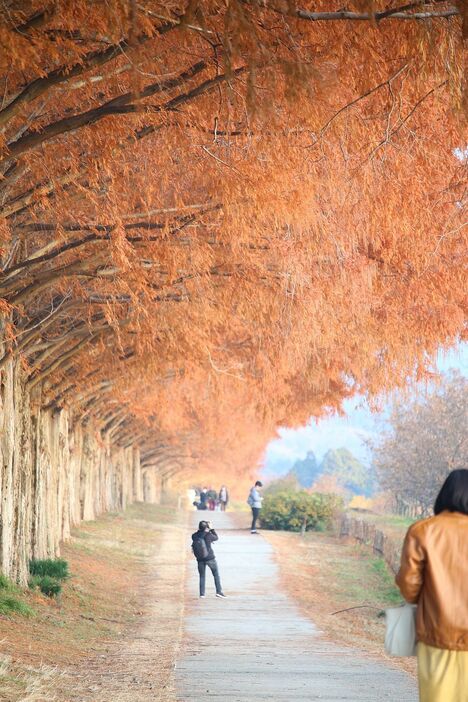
[221,216]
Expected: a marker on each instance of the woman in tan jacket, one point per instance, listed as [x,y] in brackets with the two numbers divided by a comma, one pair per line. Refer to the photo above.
[434,575]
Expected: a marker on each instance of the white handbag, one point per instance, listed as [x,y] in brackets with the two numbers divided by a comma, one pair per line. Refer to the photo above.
[400,636]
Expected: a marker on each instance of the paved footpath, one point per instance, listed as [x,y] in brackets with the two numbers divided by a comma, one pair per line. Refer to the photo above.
[256,645]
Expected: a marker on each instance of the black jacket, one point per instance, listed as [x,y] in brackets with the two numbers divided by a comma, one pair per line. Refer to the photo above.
[210,537]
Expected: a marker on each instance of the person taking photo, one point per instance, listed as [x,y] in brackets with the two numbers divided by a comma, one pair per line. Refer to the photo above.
[202,541]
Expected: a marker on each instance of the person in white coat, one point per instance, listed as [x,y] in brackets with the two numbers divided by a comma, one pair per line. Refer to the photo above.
[255,501]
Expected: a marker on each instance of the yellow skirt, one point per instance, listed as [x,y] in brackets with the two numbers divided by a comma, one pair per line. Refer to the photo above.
[442,674]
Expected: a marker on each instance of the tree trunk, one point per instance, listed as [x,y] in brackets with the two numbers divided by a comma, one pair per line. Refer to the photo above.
[55,472]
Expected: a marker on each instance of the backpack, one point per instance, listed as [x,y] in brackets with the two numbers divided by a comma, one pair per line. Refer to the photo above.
[199,548]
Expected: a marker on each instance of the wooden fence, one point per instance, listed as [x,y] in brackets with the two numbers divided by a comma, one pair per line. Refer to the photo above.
[367,533]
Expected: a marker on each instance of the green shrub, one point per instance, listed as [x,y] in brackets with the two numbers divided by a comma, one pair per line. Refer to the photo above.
[51,587]
[56,568]
[34,581]
[294,511]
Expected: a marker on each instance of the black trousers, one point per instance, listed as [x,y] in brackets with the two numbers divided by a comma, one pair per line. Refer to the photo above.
[255,515]
[213,566]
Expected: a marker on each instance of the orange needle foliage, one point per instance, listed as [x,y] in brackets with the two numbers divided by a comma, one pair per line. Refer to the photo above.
[221,216]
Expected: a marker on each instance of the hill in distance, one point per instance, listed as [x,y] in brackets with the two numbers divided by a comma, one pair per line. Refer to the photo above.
[341,465]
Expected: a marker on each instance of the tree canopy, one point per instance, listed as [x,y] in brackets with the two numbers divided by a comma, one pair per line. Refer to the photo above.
[425,441]
[221,216]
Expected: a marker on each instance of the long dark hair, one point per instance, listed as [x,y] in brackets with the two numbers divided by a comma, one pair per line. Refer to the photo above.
[453,495]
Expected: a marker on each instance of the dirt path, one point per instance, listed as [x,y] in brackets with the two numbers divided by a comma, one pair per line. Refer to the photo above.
[257,646]
[139,667]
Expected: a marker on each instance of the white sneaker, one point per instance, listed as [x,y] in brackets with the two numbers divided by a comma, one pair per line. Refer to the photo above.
[254,531]
[221,594]
[201,596]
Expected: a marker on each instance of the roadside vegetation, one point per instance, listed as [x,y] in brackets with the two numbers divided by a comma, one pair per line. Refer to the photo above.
[101,576]
[393,525]
[48,575]
[12,601]
[298,510]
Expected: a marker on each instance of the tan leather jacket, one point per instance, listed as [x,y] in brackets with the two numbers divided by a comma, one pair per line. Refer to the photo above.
[434,574]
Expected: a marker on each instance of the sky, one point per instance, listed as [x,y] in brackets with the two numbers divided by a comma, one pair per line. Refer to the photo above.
[349,431]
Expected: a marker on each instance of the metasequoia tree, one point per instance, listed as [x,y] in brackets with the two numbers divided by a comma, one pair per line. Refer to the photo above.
[219,216]
[426,440]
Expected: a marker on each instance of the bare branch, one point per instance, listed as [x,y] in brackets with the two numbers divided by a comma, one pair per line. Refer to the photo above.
[362,97]
[400,13]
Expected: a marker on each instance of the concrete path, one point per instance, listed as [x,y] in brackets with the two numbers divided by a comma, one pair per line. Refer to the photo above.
[257,646]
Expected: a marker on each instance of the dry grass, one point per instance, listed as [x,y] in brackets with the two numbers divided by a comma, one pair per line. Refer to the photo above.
[393,525]
[103,607]
[26,683]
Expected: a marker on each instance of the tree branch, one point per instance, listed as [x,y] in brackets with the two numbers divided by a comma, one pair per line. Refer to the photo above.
[39,284]
[362,97]
[63,74]
[59,361]
[34,21]
[33,333]
[93,238]
[400,13]
[186,97]
[44,189]
[405,119]
[117,106]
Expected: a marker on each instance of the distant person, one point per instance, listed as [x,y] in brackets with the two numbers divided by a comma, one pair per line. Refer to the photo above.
[212,496]
[203,552]
[255,501]
[203,498]
[191,498]
[434,575]
[223,498]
